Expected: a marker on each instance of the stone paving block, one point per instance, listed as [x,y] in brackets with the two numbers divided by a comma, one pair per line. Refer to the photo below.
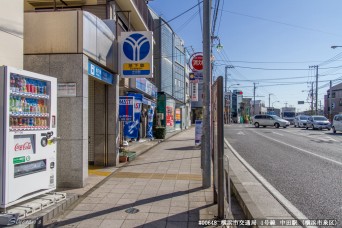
[175,210]
[137,216]
[157,217]
[155,224]
[126,201]
[178,217]
[163,203]
[117,215]
[111,223]
[159,209]
[176,225]
[85,207]
[133,223]
[89,223]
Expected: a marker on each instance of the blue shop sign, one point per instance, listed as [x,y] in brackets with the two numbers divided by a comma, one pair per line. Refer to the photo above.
[146,86]
[99,73]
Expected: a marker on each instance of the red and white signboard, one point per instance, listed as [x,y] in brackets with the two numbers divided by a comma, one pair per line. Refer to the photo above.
[24,144]
[196,62]
[194,92]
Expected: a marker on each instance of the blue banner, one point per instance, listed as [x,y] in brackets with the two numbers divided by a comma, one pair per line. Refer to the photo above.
[126,108]
[131,129]
[149,131]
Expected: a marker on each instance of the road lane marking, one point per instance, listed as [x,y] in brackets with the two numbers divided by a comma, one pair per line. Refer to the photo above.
[240,133]
[300,149]
[277,133]
[289,207]
[327,138]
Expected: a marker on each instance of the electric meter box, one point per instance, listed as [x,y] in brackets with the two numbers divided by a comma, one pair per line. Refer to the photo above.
[28,130]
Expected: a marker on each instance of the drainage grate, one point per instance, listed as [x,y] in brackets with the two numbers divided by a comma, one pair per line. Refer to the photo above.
[132,210]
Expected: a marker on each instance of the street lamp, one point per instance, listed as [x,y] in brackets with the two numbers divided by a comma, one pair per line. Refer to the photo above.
[273,103]
[232,86]
[333,47]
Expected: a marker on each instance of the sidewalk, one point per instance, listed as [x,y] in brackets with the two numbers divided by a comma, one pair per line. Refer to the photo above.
[160,188]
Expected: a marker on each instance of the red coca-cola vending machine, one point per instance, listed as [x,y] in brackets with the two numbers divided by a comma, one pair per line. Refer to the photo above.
[28,129]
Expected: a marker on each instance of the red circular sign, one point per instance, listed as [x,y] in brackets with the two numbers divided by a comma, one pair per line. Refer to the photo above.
[196,62]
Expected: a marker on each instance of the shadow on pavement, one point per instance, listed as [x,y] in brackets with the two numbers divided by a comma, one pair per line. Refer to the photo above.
[184,148]
[126,206]
[161,161]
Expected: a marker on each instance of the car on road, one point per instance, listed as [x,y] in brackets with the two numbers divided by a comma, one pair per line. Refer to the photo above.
[300,121]
[269,120]
[318,122]
[337,123]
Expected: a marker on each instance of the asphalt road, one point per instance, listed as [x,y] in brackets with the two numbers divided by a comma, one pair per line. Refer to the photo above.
[303,165]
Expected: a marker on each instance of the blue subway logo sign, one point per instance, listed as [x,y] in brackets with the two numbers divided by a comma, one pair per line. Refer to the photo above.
[136,54]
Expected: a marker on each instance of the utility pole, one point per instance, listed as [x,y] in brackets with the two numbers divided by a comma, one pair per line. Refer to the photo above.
[225,80]
[316,103]
[206,145]
[311,98]
[330,101]
[254,98]
[269,100]
[285,104]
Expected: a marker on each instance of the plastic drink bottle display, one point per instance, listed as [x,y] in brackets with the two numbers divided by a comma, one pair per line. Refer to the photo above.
[12,83]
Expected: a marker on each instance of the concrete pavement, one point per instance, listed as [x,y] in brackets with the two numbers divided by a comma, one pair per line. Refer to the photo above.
[160,188]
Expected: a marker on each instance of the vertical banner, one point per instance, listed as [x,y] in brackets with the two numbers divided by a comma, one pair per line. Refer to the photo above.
[131,128]
[126,108]
[169,116]
[149,131]
[194,92]
[198,132]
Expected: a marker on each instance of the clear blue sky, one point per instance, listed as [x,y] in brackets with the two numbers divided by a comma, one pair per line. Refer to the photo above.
[269,34]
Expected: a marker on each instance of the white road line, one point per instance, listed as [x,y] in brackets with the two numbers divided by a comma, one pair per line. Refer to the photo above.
[297,214]
[300,149]
[240,133]
[313,137]
[277,133]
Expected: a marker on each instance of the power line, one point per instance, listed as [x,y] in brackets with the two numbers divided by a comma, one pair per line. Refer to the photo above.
[179,15]
[200,15]
[282,23]
[271,62]
[285,69]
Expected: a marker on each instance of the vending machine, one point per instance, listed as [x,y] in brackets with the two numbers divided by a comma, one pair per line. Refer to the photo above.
[28,128]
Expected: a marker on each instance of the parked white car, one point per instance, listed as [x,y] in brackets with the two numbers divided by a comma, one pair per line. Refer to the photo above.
[337,123]
[269,120]
[300,121]
[318,122]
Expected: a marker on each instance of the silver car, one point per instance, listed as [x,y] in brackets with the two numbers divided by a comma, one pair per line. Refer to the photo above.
[318,122]
[300,121]
[269,120]
[337,123]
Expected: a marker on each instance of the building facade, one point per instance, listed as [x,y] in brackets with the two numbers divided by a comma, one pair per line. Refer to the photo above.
[172,79]
[336,101]
[11,33]
[77,42]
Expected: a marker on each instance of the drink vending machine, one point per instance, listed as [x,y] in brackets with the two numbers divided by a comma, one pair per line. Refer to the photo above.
[28,128]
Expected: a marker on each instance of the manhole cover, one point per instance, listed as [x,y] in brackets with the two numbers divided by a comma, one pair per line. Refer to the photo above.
[132,210]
